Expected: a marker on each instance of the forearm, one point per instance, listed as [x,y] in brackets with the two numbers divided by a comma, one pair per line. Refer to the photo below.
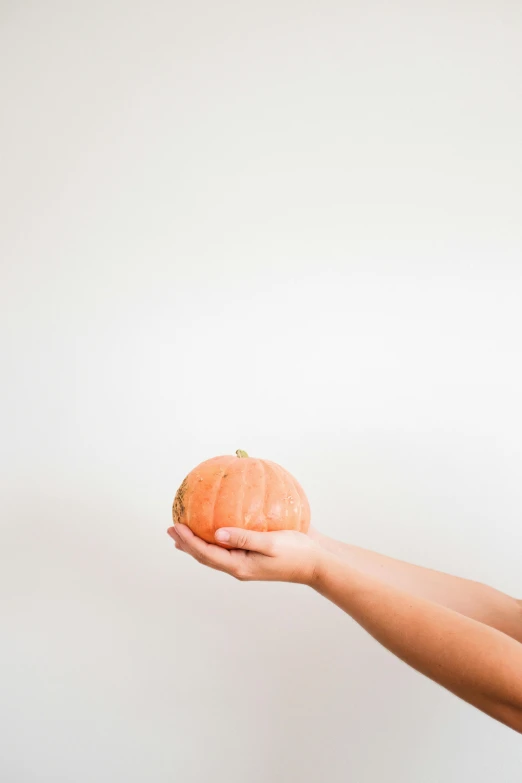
[472,660]
[472,599]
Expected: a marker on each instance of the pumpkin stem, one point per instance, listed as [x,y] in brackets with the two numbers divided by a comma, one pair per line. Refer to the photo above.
[241,454]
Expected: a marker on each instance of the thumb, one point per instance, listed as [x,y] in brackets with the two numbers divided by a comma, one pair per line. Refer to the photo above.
[237,538]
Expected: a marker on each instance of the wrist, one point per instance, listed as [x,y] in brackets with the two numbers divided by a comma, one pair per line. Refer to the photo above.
[322,567]
[333,546]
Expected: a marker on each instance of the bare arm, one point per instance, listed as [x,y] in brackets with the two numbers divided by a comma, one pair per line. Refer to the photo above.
[472,599]
[474,661]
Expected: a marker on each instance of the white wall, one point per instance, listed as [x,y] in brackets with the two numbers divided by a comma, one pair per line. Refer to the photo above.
[293,228]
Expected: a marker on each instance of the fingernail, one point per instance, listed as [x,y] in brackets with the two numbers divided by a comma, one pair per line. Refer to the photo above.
[222,535]
[171,532]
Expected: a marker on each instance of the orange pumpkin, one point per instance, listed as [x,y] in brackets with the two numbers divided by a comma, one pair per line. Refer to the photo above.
[240,492]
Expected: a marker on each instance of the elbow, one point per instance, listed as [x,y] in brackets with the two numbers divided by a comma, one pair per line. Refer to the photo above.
[510,716]
[514,721]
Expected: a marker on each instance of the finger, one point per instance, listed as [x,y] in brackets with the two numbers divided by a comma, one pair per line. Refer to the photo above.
[208,554]
[173,533]
[237,538]
[177,540]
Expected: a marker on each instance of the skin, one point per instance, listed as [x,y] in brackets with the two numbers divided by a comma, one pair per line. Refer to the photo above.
[463,635]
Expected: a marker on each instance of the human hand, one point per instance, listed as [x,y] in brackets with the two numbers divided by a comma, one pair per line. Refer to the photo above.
[283,556]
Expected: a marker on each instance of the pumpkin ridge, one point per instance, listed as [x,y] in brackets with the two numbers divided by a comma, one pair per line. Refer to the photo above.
[269,473]
[218,490]
[297,495]
[247,488]
[283,477]
[246,470]
[265,493]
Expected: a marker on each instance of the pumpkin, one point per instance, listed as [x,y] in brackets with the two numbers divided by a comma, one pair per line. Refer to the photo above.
[240,491]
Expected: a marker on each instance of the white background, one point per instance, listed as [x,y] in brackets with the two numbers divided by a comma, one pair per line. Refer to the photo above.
[292,228]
